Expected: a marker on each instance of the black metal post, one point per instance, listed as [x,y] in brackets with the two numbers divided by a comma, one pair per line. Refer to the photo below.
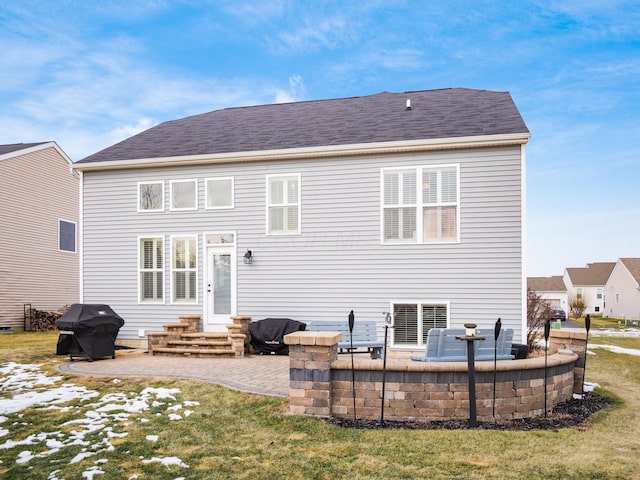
[587,325]
[384,372]
[352,320]
[471,374]
[496,334]
[547,330]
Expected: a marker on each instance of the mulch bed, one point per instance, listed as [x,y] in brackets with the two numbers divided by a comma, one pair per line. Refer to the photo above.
[572,413]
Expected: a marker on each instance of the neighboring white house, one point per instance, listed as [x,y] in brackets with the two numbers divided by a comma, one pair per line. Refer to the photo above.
[551,289]
[405,202]
[39,263]
[623,290]
[589,283]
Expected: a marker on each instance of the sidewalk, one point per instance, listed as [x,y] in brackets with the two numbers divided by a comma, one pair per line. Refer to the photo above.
[259,374]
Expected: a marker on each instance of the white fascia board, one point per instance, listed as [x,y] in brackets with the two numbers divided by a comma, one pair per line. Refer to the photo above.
[314,152]
[36,148]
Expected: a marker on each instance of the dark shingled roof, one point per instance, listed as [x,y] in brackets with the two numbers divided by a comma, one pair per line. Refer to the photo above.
[434,114]
[14,147]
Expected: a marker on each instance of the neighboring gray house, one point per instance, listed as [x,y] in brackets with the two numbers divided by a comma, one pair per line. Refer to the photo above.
[623,290]
[405,202]
[589,283]
[552,289]
[39,263]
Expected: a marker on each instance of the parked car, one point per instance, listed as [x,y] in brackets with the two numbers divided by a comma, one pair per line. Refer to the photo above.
[556,313]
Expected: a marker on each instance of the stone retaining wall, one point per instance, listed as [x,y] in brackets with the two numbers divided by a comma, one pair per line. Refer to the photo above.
[321,384]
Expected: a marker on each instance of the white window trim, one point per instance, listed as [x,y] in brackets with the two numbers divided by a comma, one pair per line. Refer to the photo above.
[418,303]
[206,193]
[140,210]
[172,299]
[164,270]
[75,232]
[299,204]
[195,203]
[419,206]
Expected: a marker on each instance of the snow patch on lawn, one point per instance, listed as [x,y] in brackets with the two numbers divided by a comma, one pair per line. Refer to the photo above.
[167,461]
[102,417]
[614,349]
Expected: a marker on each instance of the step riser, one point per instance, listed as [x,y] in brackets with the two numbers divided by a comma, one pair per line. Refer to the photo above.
[193,352]
[195,355]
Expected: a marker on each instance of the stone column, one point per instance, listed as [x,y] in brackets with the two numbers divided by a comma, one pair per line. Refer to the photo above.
[243,322]
[310,358]
[573,339]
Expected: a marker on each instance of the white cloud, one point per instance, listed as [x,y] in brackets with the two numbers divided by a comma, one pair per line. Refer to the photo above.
[329,32]
[295,92]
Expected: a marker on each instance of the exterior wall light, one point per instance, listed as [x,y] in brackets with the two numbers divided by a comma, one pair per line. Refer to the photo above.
[248,257]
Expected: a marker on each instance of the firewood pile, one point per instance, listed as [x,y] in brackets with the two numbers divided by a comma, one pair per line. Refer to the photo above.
[40,320]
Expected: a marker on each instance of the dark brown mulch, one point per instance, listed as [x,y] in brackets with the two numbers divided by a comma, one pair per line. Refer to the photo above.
[572,413]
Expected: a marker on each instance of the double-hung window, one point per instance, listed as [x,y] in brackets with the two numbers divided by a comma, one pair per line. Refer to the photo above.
[420,204]
[414,320]
[184,195]
[150,196]
[151,272]
[184,269]
[283,204]
[219,192]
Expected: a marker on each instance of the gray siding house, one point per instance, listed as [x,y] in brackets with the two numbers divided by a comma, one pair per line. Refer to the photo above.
[405,202]
[39,261]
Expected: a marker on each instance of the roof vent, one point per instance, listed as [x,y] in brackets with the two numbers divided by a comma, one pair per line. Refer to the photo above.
[408,104]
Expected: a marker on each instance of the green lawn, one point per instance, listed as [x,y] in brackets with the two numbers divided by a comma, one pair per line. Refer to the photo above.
[236,435]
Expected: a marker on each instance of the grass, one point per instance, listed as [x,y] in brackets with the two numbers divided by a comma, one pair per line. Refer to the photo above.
[236,435]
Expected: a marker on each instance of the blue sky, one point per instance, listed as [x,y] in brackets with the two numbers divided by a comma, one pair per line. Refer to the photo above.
[88,74]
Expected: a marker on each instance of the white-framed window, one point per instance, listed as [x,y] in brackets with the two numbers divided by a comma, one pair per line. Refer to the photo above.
[218,192]
[599,293]
[617,299]
[184,269]
[184,195]
[66,236]
[151,196]
[579,293]
[413,320]
[420,204]
[151,269]
[283,204]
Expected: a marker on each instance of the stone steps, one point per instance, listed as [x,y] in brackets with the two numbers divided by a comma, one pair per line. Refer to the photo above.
[184,339]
